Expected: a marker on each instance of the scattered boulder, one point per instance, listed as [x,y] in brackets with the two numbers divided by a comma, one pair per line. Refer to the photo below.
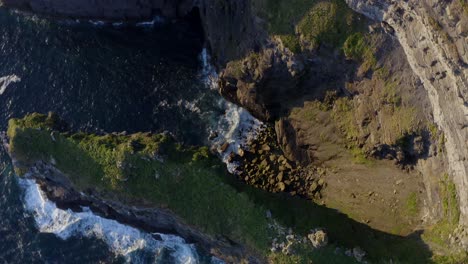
[213,135]
[318,238]
[224,147]
[265,147]
[313,187]
[358,254]
[281,186]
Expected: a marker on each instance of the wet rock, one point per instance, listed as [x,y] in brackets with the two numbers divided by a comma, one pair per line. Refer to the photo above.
[241,153]
[313,187]
[318,238]
[281,186]
[213,135]
[224,147]
[359,254]
[280,176]
[265,147]
[321,182]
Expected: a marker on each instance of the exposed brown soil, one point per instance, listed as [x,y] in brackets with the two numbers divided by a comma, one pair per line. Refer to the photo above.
[380,195]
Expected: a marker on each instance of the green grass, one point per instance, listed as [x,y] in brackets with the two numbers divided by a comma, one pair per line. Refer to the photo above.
[464,5]
[303,215]
[439,233]
[355,46]
[359,48]
[359,157]
[281,15]
[306,256]
[412,204]
[316,21]
[391,95]
[343,114]
[189,181]
[458,258]
[291,42]
[328,22]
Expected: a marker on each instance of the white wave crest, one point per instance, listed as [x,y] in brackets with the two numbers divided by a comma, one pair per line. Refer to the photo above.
[157,20]
[237,126]
[6,81]
[191,106]
[123,240]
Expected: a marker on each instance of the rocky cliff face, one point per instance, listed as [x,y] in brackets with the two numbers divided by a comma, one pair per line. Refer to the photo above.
[434,36]
[102,9]
[230,27]
[403,68]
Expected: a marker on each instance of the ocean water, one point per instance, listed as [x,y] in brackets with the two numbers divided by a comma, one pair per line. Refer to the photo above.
[151,76]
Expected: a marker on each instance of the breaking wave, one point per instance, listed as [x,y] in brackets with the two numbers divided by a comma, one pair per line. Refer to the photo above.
[126,241]
[236,127]
[6,81]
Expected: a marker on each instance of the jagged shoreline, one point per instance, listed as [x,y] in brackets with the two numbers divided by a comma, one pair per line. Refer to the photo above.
[59,189]
[261,74]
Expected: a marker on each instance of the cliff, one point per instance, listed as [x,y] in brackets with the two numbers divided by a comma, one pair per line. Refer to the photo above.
[151,182]
[230,26]
[370,96]
[434,35]
[347,94]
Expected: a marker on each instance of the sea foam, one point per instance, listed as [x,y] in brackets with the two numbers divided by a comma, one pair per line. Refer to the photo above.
[237,126]
[6,81]
[122,239]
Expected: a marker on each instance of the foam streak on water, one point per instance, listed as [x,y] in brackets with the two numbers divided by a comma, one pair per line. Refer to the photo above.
[123,240]
[6,81]
[237,126]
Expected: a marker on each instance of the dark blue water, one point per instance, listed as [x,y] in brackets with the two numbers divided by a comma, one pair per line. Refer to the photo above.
[116,79]
[97,78]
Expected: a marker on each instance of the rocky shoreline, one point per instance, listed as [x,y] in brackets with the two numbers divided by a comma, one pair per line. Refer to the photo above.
[263,165]
[385,106]
[59,189]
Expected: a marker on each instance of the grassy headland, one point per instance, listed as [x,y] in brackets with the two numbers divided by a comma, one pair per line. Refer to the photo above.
[153,169]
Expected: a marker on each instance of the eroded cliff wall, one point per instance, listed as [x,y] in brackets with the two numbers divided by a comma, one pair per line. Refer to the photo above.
[434,36]
[102,9]
[230,26]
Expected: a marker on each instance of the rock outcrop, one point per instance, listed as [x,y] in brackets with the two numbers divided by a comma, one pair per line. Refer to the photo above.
[102,9]
[60,190]
[329,108]
[434,36]
[230,27]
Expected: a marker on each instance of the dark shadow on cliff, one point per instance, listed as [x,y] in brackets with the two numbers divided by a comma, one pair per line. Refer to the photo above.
[303,215]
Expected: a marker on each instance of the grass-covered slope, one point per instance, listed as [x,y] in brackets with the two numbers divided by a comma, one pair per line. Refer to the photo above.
[144,167]
[153,169]
[308,22]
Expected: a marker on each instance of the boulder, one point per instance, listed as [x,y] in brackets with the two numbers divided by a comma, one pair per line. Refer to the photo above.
[318,238]
[280,176]
[265,147]
[281,186]
[313,187]
[358,254]
[224,147]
